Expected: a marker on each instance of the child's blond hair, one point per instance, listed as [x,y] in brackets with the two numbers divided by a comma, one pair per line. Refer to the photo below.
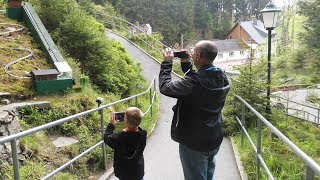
[134,116]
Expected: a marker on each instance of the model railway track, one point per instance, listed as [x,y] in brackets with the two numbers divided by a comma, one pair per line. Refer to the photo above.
[12,28]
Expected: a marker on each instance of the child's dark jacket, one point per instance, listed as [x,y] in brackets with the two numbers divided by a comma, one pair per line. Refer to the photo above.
[128,152]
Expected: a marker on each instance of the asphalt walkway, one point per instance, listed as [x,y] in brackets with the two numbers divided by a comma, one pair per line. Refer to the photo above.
[161,154]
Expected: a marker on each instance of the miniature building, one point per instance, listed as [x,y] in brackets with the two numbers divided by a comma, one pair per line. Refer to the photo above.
[146,28]
[42,75]
[14,9]
[14,3]
[143,28]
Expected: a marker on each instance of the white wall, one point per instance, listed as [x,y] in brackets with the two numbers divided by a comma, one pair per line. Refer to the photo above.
[237,55]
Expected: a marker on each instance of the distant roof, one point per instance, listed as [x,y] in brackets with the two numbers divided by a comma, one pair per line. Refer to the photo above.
[45,72]
[230,45]
[256,30]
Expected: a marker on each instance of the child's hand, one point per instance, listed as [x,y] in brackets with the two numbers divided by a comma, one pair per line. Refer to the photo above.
[113,119]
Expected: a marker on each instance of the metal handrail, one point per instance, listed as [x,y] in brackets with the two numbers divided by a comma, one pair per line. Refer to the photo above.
[312,166]
[136,28]
[145,42]
[306,105]
[316,117]
[13,138]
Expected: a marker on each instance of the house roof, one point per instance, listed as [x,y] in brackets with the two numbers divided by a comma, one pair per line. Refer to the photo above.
[45,72]
[256,30]
[230,45]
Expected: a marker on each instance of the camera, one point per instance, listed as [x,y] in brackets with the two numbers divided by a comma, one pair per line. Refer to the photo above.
[119,116]
[180,54]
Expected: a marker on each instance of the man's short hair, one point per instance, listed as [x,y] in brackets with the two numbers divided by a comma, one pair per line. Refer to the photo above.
[134,116]
[208,50]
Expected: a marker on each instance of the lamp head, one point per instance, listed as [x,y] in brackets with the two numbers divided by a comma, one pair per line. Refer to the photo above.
[270,15]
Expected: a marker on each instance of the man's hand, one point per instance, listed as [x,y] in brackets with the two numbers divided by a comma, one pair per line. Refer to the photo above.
[167,54]
[113,119]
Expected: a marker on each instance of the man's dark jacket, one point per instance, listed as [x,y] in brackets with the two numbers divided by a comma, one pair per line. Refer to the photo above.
[128,152]
[197,119]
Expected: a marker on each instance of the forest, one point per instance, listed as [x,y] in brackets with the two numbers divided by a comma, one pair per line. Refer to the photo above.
[195,19]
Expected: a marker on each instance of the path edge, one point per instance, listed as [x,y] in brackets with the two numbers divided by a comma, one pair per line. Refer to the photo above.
[242,173]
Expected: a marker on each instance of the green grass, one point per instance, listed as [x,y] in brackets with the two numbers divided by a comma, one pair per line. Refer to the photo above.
[44,157]
[282,162]
[22,68]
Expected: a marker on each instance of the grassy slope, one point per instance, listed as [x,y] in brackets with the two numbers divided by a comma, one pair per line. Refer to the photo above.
[41,155]
[18,40]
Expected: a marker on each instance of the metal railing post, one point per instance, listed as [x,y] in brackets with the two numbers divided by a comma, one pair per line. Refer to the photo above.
[150,100]
[100,101]
[136,101]
[259,127]
[288,104]
[319,114]
[243,119]
[309,173]
[15,159]
[154,88]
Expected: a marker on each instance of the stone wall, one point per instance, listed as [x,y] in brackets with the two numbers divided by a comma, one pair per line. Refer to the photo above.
[9,124]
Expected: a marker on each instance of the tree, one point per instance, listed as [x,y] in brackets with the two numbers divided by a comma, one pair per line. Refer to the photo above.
[311,10]
[80,36]
[311,37]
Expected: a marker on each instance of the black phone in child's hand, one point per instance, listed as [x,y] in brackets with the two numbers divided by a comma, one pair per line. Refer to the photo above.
[119,116]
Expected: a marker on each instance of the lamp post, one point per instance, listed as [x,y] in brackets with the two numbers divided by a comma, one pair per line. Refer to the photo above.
[270,15]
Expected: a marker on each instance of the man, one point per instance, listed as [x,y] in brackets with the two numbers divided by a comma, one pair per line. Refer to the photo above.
[197,119]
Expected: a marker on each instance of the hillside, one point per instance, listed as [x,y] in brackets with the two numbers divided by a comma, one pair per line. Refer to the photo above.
[10,51]
[102,63]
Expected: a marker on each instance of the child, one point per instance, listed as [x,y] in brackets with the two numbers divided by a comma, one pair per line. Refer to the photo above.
[128,145]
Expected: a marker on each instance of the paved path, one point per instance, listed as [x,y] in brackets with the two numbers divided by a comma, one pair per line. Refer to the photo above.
[161,154]
[300,96]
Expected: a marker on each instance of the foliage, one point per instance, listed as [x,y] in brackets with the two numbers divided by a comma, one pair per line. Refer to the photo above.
[2,4]
[310,37]
[296,61]
[283,163]
[149,44]
[83,38]
[311,9]
[86,129]
[193,19]
[53,12]
[249,85]
[15,86]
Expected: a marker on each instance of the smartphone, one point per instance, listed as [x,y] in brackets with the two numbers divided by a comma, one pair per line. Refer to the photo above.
[119,116]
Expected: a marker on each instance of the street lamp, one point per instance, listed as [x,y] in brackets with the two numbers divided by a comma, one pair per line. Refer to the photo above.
[270,15]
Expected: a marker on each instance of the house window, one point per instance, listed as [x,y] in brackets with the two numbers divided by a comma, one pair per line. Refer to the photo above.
[231,54]
[241,52]
[220,56]
[230,37]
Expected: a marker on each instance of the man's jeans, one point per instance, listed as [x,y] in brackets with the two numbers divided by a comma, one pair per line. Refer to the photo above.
[197,165]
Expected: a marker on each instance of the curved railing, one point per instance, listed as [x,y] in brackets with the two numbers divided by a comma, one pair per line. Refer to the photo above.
[312,166]
[303,113]
[113,21]
[13,138]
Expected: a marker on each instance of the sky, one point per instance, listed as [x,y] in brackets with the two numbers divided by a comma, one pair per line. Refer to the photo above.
[281,3]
